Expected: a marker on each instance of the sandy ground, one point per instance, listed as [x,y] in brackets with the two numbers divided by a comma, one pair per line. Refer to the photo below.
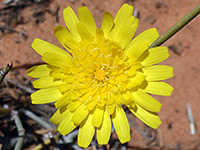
[162,14]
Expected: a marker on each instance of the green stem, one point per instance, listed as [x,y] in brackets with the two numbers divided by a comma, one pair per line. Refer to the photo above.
[4,71]
[178,26]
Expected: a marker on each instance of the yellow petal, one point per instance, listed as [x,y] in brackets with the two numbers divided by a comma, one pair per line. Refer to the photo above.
[42,96]
[66,126]
[132,71]
[126,31]
[87,19]
[135,65]
[97,117]
[71,20]
[104,131]
[99,36]
[121,17]
[126,98]
[46,82]
[65,38]
[146,101]
[80,114]
[141,43]
[125,25]
[121,124]
[57,74]
[59,115]
[41,47]
[107,23]
[124,12]
[56,60]
[158,88]
[73,105]
[154,55]
[86,132]
[149,118]
[111,108]
[56,118]
[63,88]
[158,72]
[84,33]
[136,80]
[39,71]
[63,100]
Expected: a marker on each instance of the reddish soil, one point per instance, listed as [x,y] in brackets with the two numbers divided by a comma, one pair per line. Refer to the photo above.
[162,14]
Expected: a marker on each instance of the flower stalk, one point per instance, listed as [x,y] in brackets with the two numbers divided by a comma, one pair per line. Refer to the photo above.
[178,26]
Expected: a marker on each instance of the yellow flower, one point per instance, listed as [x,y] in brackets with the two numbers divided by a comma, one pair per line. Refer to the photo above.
[103,70]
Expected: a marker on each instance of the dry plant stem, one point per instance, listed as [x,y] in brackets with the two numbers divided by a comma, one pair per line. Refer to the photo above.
[8,28]
[37,119]
[138,129]
[178,26]
[191,120]
[76,147]
[21,86]
[70,137]
[4,71]
[161,145]
[21,131]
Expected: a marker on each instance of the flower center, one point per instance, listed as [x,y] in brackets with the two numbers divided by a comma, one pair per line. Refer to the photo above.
[100,74]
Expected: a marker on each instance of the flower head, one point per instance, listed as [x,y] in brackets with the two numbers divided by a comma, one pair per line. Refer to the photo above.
[102,70]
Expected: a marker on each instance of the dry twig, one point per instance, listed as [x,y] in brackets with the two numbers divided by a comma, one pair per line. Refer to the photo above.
[4,71]
[21,131]
[37,119]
